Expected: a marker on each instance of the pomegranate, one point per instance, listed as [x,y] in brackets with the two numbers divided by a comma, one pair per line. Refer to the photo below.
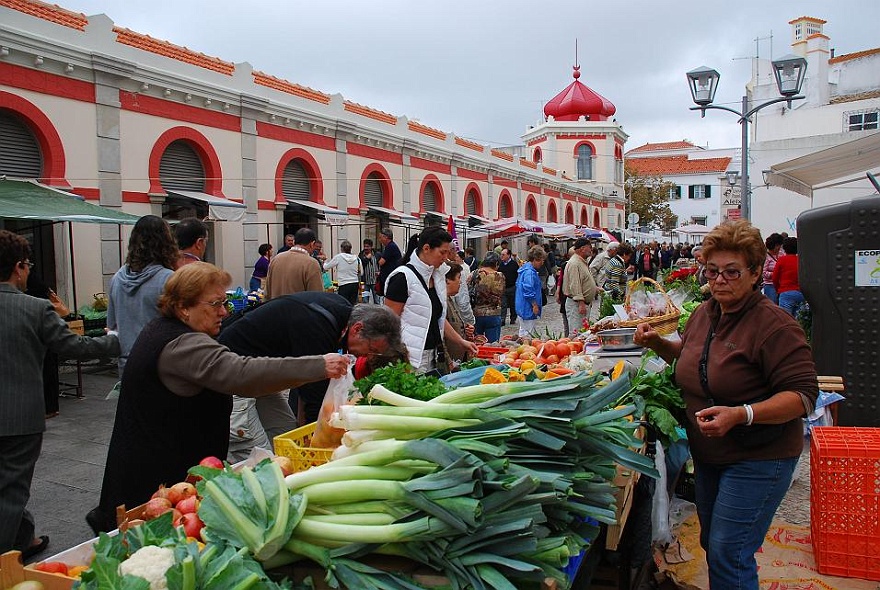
[213,462]
[192,525]
[188,505]
[170,494]
[156,507]
[183,490]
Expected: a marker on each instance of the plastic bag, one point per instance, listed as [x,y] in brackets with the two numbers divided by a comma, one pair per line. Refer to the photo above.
[551,282]
[660,530]
[327,437]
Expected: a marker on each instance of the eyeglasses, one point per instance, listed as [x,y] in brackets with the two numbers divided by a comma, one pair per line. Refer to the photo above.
[729,274]
[30,264]
[371,348]
[217,303]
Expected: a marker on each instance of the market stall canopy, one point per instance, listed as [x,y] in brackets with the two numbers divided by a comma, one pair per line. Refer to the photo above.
[392,213]
[219,209]
[694,229]
[818,170]
[583,231]
[510,226]
[558,231]
[332,215]
[28,199]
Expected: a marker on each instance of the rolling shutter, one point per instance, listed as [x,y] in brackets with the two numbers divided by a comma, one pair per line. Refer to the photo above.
[429,198]
[20,155]
[504,211]
[295,183]
[373,194]
[181,168]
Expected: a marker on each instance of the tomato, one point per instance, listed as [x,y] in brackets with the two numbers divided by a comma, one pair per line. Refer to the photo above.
[552,359]
[192,525]
[188,505]
[549,348]
[576,346]
[53,567]
[211,462]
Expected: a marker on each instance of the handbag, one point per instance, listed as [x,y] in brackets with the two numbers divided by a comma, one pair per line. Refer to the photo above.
[747,437]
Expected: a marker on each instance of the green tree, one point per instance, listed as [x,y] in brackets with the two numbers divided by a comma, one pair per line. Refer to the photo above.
[648,196]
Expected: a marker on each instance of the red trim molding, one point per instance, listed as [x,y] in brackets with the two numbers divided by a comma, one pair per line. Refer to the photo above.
[505,197]
[552,215]
[374,153]
[585,217]
[531,208]
[423,164]
[475,187]
[472,175]
[388,188]
[295,136]
[533,188]
[87,193]
[438,190]
[310,165]
[579,144]
[266,206]
[503,182]
[569,213]
[135,197]
[54,163]
[46,83]
[202,147]
[168,109]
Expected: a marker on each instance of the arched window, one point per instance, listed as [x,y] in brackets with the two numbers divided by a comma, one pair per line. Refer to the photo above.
[181,168]
[551,212]
[295,182]
[20,154]
[585,220]
[505,206]
[429,197]
[569,214]
[531,209]
[472,202]
[374,191]
[537,156]
[585,162]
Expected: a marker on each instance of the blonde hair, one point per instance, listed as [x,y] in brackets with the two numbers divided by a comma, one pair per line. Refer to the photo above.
[736,236]
[186,286]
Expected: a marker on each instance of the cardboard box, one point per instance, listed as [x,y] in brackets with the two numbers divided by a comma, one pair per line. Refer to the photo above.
[77,327]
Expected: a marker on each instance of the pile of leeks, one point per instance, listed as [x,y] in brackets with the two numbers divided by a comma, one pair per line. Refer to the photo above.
[494,486]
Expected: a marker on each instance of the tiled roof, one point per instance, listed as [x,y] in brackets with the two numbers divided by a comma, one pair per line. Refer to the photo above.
[471,145]
[810,18]
[425,130]
[170,50]
[671,165]
[289,87]
[502,155]
[528,163]
[659,147]
[377,115]
[550,171]
[50,12]
[856,55]
[854,97]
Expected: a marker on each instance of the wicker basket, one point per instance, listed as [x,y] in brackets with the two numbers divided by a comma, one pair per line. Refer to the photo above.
[663,324]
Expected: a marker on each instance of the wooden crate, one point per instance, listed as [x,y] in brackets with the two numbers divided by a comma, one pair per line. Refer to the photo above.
[78,327]
[625,480]
[13,572]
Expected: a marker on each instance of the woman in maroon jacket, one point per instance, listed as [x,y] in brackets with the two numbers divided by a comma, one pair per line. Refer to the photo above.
[747,378]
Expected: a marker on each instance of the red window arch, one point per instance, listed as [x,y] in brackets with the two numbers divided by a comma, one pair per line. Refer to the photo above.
[310,165]
[473,199]
[387,187]
[569,214]
[597,223]
[438,192]
[585,219]
[203,148]
[537,156]
[505,205]
[54,163]
[552,215]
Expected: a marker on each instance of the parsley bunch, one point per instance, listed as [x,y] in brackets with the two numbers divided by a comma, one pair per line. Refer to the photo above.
[400,378]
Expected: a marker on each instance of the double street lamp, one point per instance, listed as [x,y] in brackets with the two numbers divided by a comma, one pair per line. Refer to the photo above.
[789,72]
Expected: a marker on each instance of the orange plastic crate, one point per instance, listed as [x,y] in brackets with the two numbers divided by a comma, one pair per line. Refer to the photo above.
[296,445]
[845,501]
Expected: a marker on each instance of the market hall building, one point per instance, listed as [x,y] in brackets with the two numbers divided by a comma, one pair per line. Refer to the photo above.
[145,126]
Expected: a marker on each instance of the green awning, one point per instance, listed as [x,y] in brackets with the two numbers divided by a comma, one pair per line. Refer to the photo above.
[28,199]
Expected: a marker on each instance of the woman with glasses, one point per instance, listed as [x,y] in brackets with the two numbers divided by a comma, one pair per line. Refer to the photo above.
[29,327]
[175,401]
[136,287]
[747,378]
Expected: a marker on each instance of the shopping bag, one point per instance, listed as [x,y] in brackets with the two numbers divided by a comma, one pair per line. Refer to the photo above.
[327,437]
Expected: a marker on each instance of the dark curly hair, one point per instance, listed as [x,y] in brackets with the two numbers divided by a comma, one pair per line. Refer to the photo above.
[151,242]
[13,249]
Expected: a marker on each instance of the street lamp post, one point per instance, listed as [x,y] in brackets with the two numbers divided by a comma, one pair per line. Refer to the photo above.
[789,72]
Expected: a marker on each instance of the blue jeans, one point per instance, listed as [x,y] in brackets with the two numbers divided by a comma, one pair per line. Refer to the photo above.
[770,293]
[489,326]
[736,504]
[790,301]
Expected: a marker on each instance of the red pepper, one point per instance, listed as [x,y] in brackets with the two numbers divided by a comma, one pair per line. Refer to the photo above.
[53,567]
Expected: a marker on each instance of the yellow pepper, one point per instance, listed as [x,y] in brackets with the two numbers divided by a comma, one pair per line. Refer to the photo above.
[493,375]
[76,571]
[514,375]
[528,366]
[618,370]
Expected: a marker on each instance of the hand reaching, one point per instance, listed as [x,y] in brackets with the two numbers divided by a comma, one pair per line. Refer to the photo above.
[335,365]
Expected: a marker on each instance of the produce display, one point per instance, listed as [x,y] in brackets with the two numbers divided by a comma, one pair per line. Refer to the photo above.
[493,484]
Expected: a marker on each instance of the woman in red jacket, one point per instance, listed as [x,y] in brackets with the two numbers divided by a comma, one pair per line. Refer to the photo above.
[785,278]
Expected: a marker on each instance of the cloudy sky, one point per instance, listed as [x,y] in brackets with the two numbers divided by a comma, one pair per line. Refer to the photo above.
[483,69]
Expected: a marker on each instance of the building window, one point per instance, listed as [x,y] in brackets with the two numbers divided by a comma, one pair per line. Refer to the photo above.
[537,157]
[700,191]
[698,220]
[674,193]
[863,121]
[585,162]
[798,32]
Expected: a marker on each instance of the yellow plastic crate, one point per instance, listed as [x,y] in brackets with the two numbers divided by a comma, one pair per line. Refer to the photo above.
[295,445]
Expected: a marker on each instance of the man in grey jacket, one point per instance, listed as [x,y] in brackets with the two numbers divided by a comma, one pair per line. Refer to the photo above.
[28,328]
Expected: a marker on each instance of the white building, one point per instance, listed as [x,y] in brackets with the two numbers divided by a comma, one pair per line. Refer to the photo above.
[842,104]
[149,127]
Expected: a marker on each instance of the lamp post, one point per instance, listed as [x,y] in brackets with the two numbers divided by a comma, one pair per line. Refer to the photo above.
[789,72]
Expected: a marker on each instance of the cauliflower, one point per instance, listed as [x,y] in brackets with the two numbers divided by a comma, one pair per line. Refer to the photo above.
[150,563]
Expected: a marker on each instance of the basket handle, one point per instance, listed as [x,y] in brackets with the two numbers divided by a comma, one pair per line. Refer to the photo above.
[659,287]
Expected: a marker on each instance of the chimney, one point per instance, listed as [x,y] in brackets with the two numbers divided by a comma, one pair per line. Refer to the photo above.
[810,42]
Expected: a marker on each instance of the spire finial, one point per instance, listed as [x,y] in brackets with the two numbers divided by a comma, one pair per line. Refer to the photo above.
[577,66]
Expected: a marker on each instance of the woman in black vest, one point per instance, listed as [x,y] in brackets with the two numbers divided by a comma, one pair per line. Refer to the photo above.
[175,401]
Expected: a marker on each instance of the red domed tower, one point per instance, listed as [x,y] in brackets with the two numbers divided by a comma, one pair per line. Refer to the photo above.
[580,136]
[578,100]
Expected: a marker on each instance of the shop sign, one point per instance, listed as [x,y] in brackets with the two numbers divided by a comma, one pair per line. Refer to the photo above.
[867,268]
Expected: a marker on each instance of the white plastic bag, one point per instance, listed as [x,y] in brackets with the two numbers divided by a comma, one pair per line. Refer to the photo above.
[660,530]
[338,391]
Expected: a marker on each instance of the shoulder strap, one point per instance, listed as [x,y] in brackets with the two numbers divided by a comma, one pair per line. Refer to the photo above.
[418,276]
[327,315]
[703,367]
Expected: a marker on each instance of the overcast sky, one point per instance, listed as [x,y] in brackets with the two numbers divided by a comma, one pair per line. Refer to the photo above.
[483,69]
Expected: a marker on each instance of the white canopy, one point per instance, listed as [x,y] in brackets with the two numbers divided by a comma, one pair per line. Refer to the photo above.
[814,171]
[694,229]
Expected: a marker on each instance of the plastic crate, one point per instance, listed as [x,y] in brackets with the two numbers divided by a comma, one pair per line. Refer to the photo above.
[295,445]
[489,352]
[845,501]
